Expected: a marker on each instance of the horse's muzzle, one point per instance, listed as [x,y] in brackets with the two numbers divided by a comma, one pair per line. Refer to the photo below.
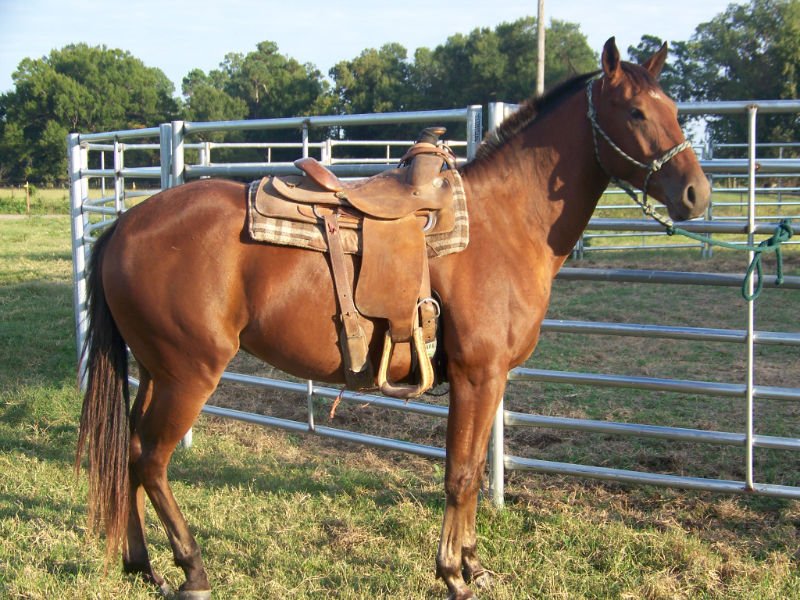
[691,201]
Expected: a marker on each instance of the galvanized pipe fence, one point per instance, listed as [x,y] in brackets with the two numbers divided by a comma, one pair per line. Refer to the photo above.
[90,215]
[720,170]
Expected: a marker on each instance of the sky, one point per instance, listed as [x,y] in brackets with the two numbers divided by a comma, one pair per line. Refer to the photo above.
[177,36]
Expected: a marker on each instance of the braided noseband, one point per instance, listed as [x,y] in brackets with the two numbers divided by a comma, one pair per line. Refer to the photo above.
[652,167]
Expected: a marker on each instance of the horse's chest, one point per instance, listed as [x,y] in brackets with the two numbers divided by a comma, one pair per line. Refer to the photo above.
[498,310]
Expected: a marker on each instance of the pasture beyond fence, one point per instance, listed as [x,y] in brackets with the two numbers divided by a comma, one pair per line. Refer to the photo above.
[171,141]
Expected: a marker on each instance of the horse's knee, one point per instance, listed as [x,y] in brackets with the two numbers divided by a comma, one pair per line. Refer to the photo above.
[463,483]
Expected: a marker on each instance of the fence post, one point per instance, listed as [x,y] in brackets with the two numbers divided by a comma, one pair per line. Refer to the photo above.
[305,139]
[497,459]
[474,129]
[205,153]
[165,139]
[103,168]
[496,115]
[326,157]
[78,191]
[119,180]
[752,112]
[178,165]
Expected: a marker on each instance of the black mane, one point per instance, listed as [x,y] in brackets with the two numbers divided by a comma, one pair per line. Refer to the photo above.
[529,111]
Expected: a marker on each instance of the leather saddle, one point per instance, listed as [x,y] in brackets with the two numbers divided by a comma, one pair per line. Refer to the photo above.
[390,220]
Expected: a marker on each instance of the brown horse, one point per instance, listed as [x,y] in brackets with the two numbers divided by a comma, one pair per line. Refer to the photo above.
[179,281]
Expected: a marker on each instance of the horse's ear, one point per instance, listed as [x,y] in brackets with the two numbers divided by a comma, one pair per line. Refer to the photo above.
[655,63]
[611,61]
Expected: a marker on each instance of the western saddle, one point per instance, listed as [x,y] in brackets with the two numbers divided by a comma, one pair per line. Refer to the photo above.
[395,221]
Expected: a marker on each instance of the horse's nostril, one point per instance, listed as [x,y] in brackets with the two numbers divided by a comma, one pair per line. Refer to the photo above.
[691,197]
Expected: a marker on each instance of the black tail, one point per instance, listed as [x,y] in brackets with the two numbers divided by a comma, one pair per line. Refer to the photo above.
[104,429]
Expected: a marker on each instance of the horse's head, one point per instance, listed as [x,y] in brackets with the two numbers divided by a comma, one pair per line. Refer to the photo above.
[633,113]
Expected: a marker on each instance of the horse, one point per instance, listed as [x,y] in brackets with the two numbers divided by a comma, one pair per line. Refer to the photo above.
[179,282]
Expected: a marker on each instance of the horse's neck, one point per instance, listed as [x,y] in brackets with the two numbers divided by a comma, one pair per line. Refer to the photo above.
[542,186]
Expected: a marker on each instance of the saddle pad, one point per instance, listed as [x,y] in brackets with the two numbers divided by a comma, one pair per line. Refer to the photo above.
[283,231]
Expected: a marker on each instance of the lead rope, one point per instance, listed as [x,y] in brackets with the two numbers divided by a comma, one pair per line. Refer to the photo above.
[773,244]
[783,233]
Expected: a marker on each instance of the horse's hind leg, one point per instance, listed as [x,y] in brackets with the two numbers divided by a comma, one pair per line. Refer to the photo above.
[135,558]
[172,411]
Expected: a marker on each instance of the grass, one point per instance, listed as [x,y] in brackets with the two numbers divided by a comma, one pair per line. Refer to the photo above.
[287,516]
[43,201]
[48,201]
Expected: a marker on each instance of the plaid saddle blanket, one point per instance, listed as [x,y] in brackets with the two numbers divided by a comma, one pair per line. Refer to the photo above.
[274,219]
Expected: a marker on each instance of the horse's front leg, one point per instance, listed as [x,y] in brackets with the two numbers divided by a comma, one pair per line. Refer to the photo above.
[474,398]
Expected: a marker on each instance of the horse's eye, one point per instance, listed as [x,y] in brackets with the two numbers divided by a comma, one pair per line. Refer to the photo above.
[637,114]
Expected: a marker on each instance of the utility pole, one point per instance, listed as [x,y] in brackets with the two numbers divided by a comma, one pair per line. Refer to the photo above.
[540,50]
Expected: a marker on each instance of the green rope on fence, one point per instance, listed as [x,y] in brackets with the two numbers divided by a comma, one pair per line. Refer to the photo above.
[783,232]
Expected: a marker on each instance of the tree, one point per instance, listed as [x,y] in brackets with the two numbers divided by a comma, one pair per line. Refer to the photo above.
[262,84]
[272,85]
[750,51]
[567,53]
[375,81]
[468,69]
[480,67]
[77,88]
[499,64]
[207,100]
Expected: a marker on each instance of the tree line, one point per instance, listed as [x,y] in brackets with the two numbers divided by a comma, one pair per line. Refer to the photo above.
[750,51]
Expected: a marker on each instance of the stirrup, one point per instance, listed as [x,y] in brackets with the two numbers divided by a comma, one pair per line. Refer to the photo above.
[409,391]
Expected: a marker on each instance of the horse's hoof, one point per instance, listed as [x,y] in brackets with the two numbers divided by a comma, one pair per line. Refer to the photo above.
[482,580]
[165,590]
[193,595]
[465,594]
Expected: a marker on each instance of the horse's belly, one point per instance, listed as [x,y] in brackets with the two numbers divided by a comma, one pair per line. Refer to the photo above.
[294,322]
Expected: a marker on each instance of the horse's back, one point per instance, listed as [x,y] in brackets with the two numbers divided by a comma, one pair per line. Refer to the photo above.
[193,207]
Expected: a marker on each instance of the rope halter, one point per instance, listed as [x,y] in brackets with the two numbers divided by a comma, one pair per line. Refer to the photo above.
[654,166]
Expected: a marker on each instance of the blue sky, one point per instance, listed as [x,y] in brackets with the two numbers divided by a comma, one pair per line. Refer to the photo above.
[178,35]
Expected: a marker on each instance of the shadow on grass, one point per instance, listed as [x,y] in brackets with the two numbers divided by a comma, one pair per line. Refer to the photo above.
[37,337]
[57,445]
[756,525]
[317,476]
[31,508]
[38,257]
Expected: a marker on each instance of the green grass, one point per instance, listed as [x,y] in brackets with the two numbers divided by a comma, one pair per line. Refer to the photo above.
[43,201]
[49,201]
[291,516]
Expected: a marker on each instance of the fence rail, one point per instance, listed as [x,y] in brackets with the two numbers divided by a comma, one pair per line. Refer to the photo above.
[170,141]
